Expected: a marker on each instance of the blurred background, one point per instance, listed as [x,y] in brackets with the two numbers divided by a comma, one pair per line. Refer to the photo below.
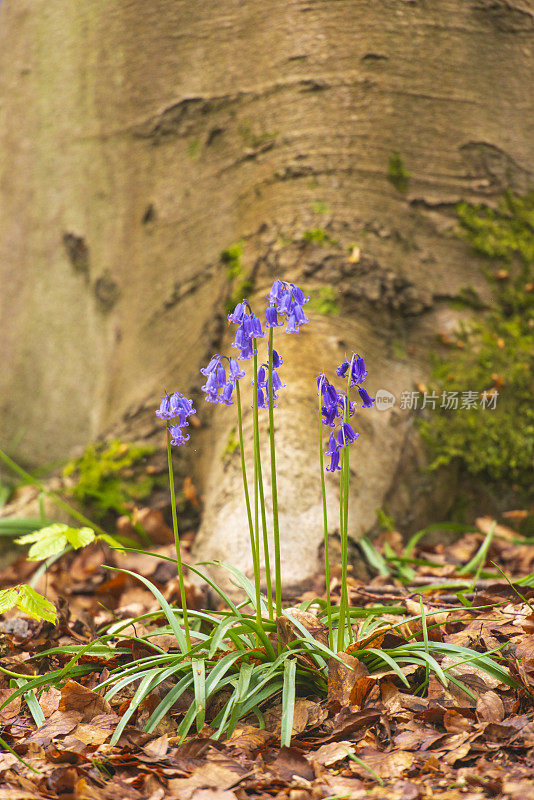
[159,161]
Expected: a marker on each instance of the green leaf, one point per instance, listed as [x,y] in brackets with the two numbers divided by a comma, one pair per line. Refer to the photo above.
[373,556]
[35,605]
[47,541]
[53,539]
[80,537]
[288,702]
[8,599]
[199,683]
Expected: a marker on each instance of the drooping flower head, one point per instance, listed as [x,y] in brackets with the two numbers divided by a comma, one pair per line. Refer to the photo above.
[333,452]
[176,406]
[330,400]
[287,299]
[263,382]
[336,406]
[356,364]
[218,387]
[367,401]
[249,328]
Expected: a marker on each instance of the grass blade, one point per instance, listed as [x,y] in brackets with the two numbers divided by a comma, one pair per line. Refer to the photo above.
[288,702]
[199,683]
[165,607]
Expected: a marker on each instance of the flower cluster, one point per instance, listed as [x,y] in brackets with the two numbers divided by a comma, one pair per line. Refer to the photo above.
[358,374]
[334,406]
[263,382]
[286,299]
[249,328]
[217,387]
[176,406]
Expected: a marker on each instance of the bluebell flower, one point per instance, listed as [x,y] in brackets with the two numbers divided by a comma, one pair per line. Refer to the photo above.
[249,329]
[255,327]
[225,396]
[175,405]
[272,317]
[329,415]
[276,292]
[298,295]
[358,371]
[333,452]
[239,312]
[367,401]
[221,376]
[277,382]
[262,380]
[164,410]
[334,463]
[286,299]
[214,363]
[177,437]
[277,360]
[180,407]
[328,392]
[262,399]
[234,372]
[346,435]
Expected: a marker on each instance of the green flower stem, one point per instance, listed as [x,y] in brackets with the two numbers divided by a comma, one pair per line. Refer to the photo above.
[247,503]
[346,535]
[344,614]
[341,617]
[177,543]
[265,540]
[55,498]
[259,499]
[274,488]
[325,524]
[346,459]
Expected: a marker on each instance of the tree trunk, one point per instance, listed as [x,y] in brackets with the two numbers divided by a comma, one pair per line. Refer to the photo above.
[140,140]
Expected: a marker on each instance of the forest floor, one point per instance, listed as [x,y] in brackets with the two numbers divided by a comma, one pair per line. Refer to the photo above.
[371,737]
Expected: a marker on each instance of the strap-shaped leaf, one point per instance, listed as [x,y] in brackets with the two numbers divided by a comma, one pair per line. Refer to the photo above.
[288,702]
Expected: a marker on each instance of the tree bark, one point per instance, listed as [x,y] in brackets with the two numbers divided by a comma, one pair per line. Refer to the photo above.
[139,140]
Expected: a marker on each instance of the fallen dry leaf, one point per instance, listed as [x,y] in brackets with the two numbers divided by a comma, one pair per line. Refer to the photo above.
[75,697]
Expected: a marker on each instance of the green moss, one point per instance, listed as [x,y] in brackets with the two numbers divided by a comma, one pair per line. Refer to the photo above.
[241,283]
[317,236]
[324,301]
[255,140]
[495,352]
[100,478]
[193,149]
[232,444]
[232,258]
[318,207]
[398,175]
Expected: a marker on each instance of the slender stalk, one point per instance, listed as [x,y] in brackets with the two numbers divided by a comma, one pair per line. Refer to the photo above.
[265,539]
[55,498]
[177,542]
[346,534]
[341,618]
[247,503]
[346,459]
[258,485]
[274,488]
[325,524]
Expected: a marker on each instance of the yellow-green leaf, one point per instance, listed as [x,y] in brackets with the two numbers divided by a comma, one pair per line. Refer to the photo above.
[35,605]
[80,537]
[46,542]
[43,533]
[8,598]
